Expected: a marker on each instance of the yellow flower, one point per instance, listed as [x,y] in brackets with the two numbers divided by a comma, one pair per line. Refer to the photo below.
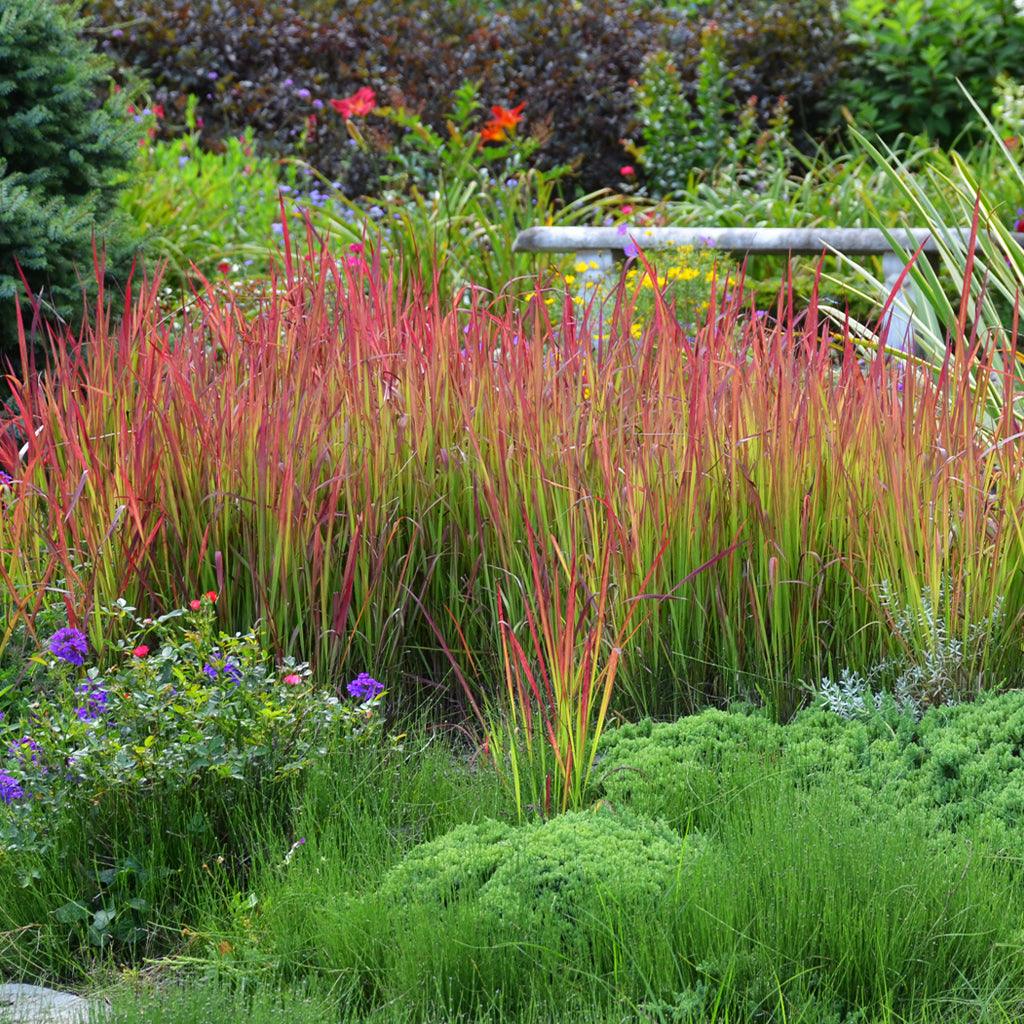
[580,267]
[570,279]
[689,273]
[636,330]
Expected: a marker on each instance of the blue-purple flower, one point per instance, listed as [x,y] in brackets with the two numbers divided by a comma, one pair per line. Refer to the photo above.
[230,669]
[25,747]
[69,645]
[94,702]
[10,788]
[365,687]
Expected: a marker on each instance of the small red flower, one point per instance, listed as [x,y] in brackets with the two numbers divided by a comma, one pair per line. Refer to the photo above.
[158,110]
[356,248]
[292,679]
[224,267]
[360,103]
[195,605]
[141,651]
[626,210]
[627,170]
[211,596]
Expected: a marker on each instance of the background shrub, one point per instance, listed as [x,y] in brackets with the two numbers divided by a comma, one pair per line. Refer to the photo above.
[197,207]
[795,49]
[908,55]
[63,153]
[274,63]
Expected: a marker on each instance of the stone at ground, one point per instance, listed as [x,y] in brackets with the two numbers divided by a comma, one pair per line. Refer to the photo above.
[31,1004]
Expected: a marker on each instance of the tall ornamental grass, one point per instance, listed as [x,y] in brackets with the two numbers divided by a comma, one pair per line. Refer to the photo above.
[362,469]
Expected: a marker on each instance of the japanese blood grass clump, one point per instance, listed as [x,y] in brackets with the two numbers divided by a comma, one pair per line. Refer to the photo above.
[359,466]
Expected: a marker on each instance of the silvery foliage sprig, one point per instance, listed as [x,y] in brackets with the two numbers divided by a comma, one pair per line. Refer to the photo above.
[935,667]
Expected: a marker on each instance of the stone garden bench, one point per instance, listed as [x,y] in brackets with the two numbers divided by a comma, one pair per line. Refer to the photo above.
[598,247]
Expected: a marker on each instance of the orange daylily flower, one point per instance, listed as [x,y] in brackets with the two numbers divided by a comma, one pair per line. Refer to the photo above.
[503,120]
[359,104]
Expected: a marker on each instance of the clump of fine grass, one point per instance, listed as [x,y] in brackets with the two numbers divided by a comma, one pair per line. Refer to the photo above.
[798,904]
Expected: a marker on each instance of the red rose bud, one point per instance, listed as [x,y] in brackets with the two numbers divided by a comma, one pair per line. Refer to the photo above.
[195,605]
[627,171]
[211,596]
[141,651]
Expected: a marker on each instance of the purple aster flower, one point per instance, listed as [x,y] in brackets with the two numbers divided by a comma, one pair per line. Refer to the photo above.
[303,94]
[212,76]
[10,788]
[26,746]
[365,687]
[69,645]
[95,702]
[213,669]
[182,160]
[630,250]
[5,479]
[277,227]
[318,104]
